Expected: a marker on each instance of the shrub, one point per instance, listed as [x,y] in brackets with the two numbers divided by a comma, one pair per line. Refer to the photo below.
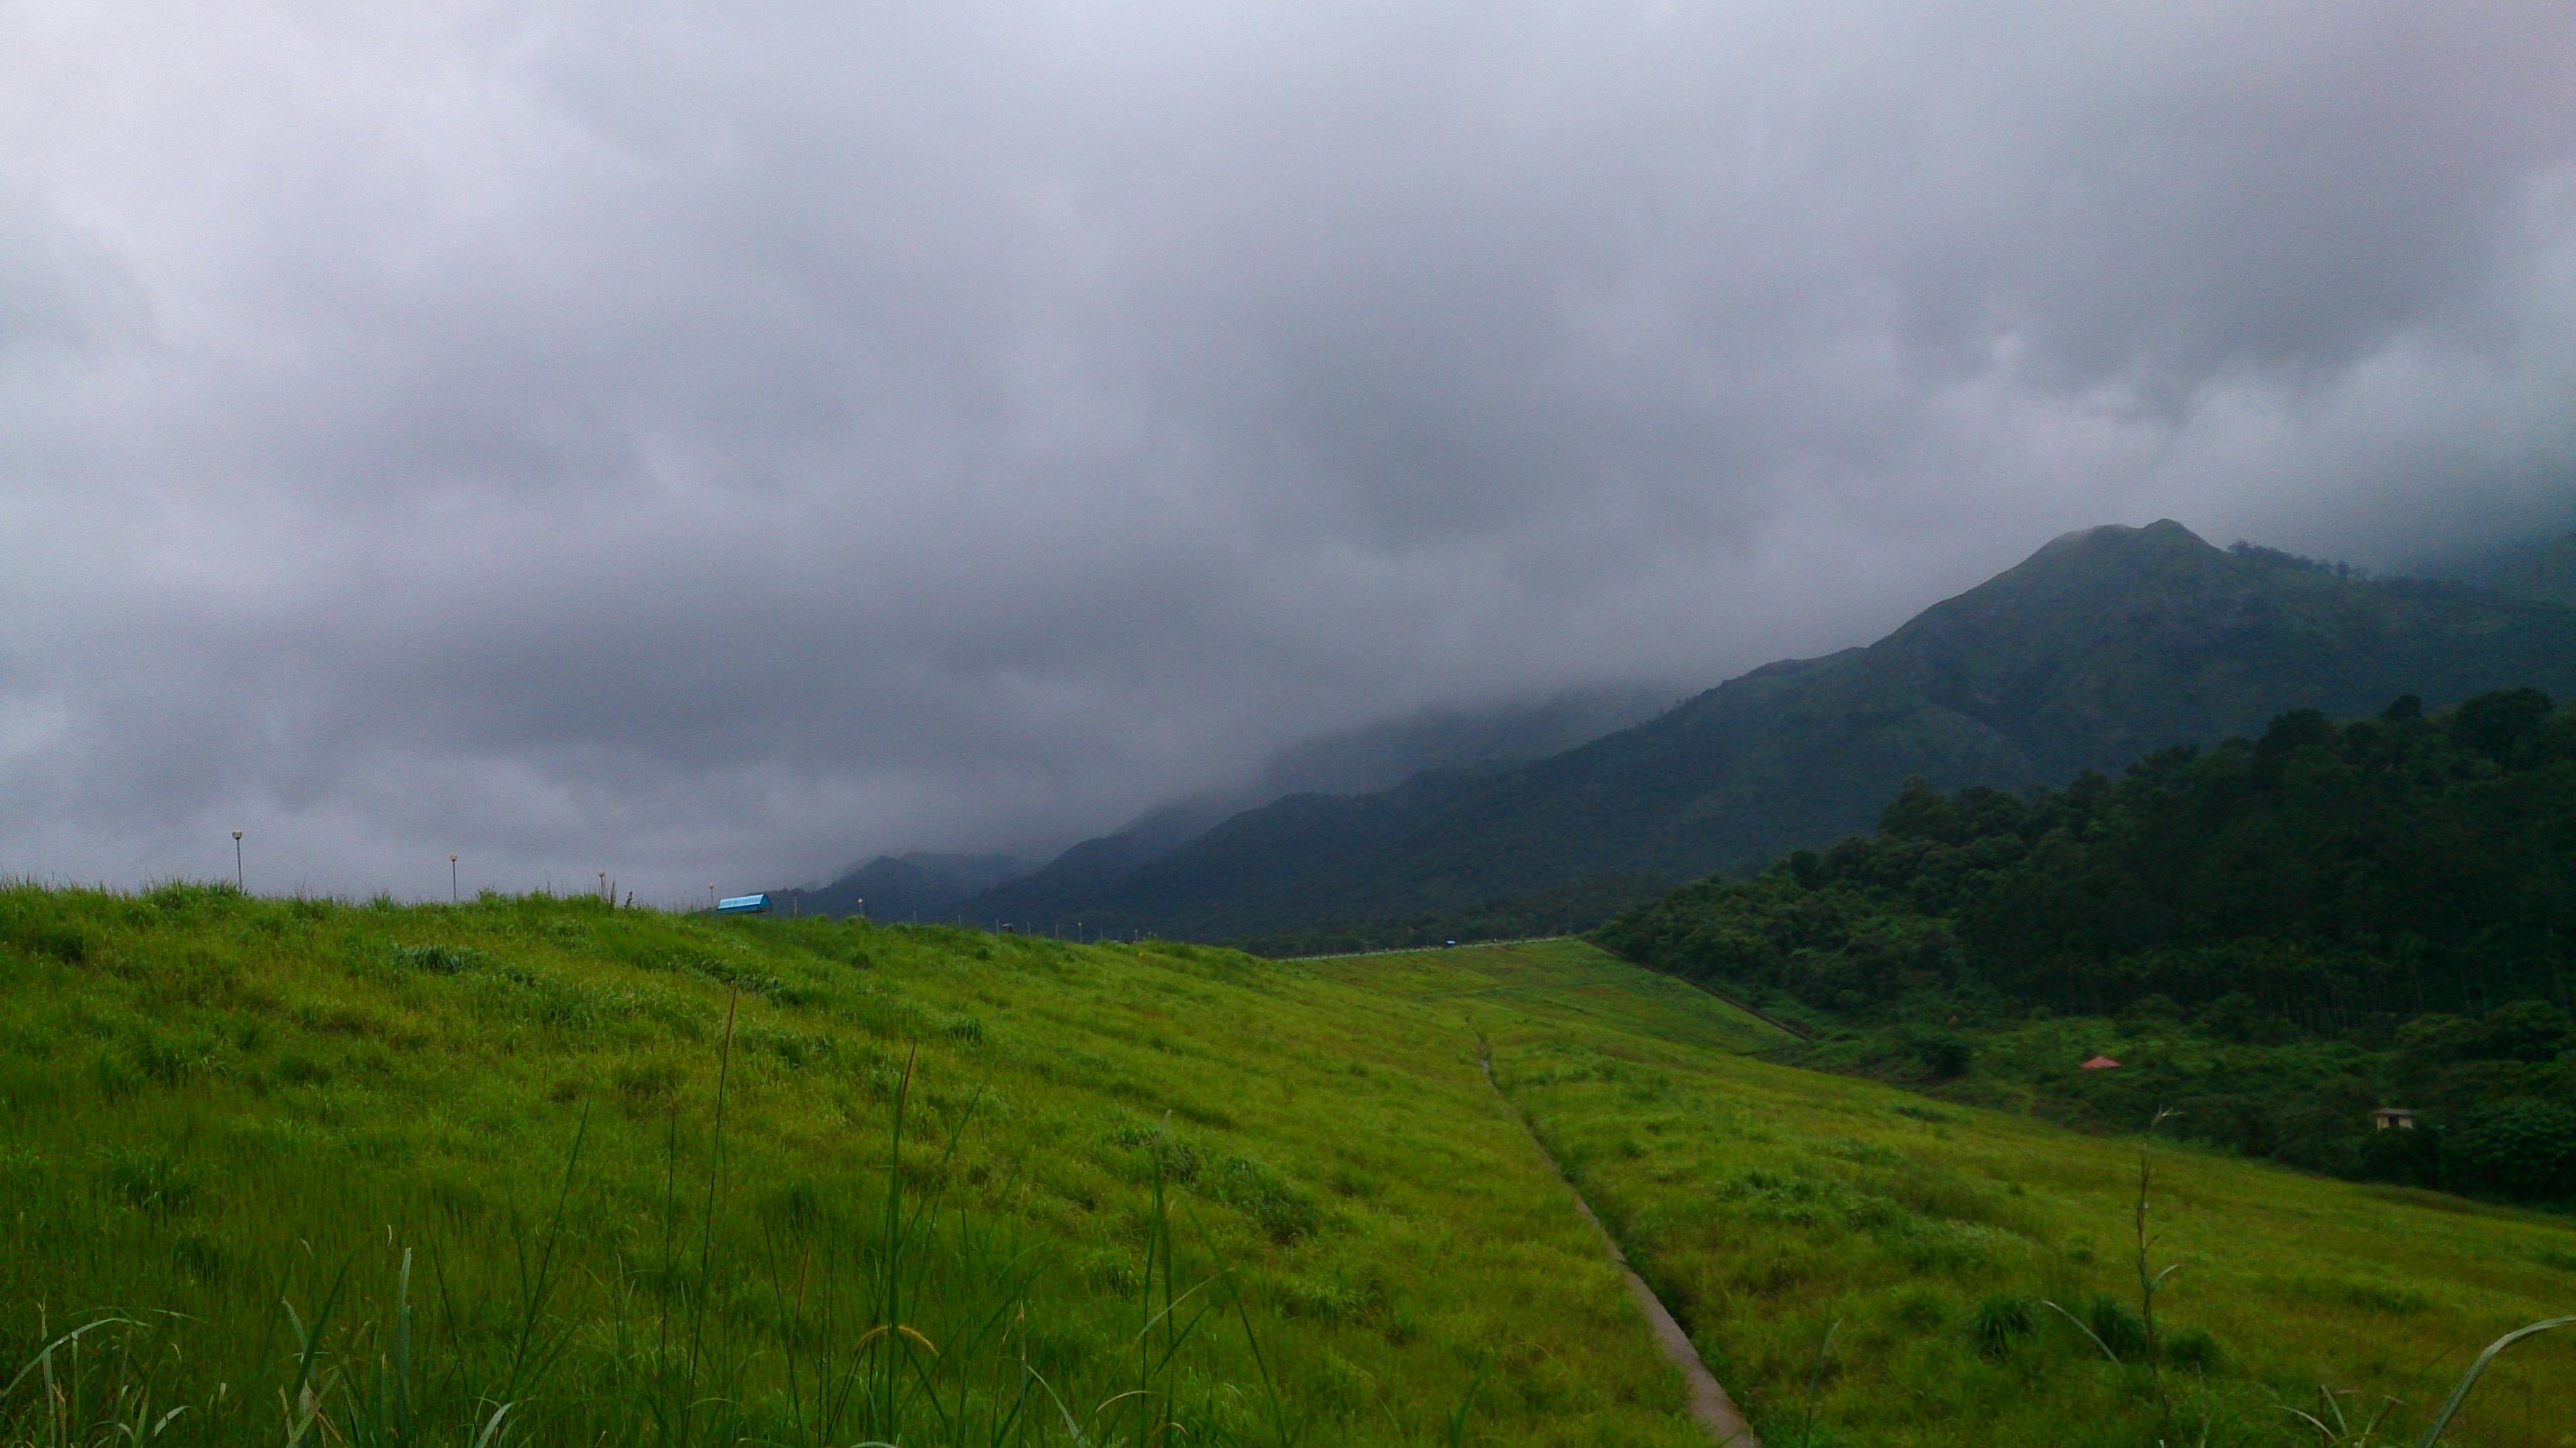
[1922,1307]
[2233,1017]
[297,1069]
[2529,1030]
[2193,1350]
[66,943]
[148,1181]
[2152,1009]
[2000,1321]
[2118,1327]
[1943,1054]
[1284,1211]
[435,959]
[2521,1147]
[643,1086]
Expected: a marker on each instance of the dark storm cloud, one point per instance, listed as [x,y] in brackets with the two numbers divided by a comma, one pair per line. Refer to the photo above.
[718,447]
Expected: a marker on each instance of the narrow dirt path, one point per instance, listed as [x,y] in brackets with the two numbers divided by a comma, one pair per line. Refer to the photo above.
[1710,1407]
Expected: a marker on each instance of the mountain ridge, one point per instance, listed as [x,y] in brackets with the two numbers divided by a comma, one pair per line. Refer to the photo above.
[2102,646]
[907,886]
[2542,568]
[1371,758]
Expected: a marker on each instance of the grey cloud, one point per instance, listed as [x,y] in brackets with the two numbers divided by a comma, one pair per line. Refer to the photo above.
[581,435]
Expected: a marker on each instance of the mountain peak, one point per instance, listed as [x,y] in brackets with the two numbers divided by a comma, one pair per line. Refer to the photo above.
[2098,649]
[2162,533]
[2074,577]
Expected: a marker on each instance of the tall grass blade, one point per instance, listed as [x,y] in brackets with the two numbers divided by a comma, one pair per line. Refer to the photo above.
[1458,1415]
[1280,1427]
[529,1361]
[44,1355]
[2083,1327]
[2469,1379]
[1815,1380]
[404,1425]
[707,1227]
[304,1401]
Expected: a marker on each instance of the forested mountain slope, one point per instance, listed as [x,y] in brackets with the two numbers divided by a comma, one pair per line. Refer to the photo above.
[922,885]
[994,889]
[2103,646]
[2543,569]
[2275,937]
[1358,761]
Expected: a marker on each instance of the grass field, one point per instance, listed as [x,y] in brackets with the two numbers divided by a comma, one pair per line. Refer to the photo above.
[315,1173]
[1162,1195]
[1771,1207]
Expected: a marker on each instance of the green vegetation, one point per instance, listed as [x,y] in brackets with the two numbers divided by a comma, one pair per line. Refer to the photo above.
[539,1171]
[2274,937]
[912,887]
[2102,647]
[1070,890]
[1564,910]
[1860,1265]
[2540,568]
[316,1173]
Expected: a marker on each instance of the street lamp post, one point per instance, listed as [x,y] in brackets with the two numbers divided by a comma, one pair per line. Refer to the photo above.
[451,880]
[239,882]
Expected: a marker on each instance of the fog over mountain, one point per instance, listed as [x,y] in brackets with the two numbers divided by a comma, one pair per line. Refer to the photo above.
[722,445]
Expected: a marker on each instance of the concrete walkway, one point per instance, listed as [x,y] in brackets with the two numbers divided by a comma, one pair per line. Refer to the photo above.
[1710,1407]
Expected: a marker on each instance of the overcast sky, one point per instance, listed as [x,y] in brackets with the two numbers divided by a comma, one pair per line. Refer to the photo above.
[716,443]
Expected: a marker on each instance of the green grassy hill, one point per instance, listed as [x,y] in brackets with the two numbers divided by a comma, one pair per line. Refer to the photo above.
[1773,1208]
[2101,647]
[638,1167]
[1139,1185]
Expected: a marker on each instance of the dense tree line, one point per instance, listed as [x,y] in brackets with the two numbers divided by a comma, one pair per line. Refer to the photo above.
[2287,931]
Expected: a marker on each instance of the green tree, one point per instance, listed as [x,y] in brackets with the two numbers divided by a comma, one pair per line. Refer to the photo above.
[2523,1148]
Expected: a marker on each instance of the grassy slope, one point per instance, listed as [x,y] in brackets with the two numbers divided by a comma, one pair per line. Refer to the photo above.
[1768,1204]
[208,1105]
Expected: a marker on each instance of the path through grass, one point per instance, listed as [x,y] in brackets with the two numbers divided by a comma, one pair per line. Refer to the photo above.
[1775,1209]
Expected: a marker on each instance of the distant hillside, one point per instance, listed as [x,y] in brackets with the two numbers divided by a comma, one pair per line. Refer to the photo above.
[1094,868]
[1371,757]
[1380,755]
[2543,569]
[917,886]
[2102,647]
[2401,887]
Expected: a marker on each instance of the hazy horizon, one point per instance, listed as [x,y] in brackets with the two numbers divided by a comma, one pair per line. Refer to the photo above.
[730,447]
